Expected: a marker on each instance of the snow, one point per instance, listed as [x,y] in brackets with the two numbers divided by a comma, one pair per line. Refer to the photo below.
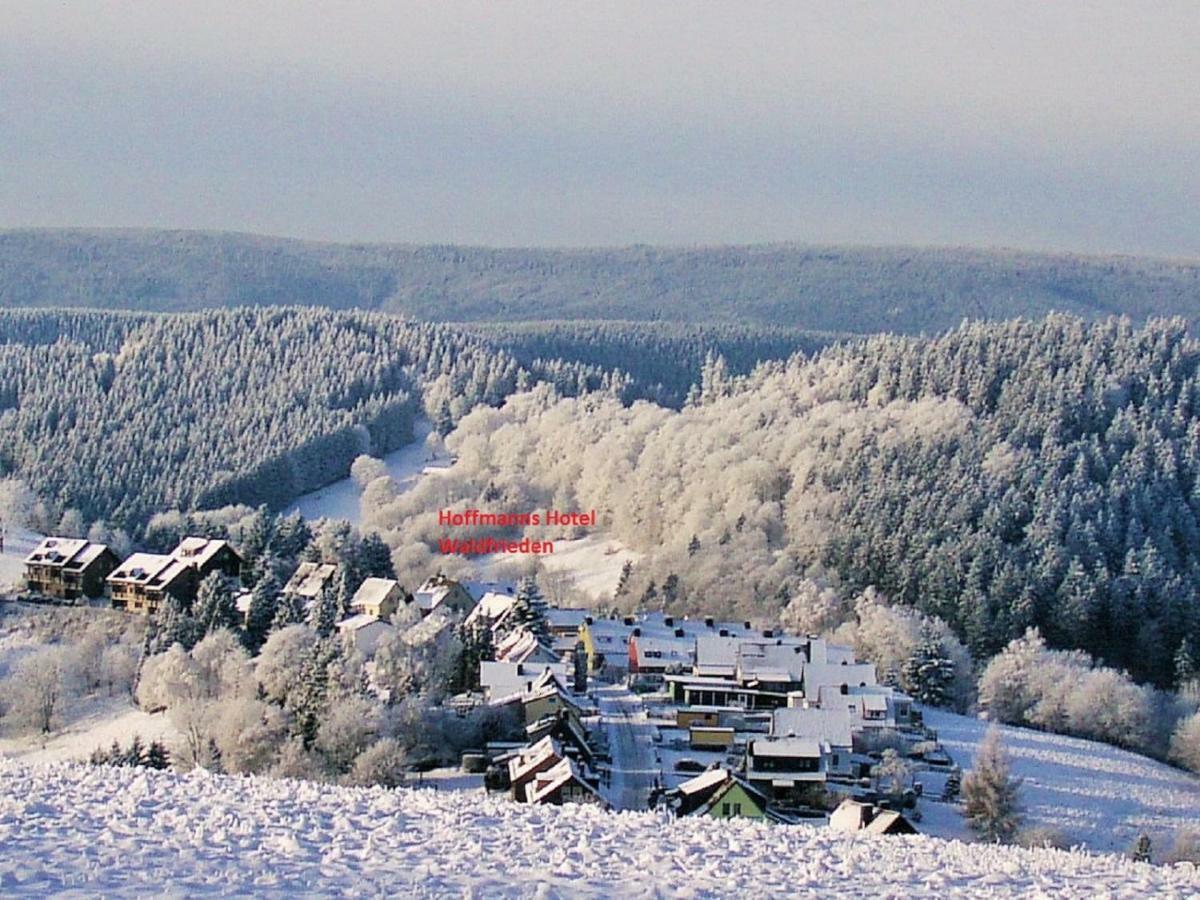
[405,466]
[129,832]
[103,721]
[18,543]
[1097,795]
[592,564]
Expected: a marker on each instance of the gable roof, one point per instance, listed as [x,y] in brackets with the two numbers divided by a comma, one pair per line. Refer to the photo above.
[555,777]
[888,821]
[199,551]
[789,748]
[374,591]
[309,579]
[74,553]
[834,726]
[151,570]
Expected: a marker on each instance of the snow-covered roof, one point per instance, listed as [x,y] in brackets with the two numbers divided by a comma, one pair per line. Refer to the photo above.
[151,570]
[833,726]
[547,782]
[874,703]
[428,629]
[310,579]
[565,618]
[817,676]
[374,591]
[362,620]
[786,747]
[491,606]
[533,756]
[703,781]
[64,552]
[501,679]
[198,551]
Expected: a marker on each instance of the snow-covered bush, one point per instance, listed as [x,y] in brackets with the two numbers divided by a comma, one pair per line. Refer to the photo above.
[1185,847]
[348,728]
[248,733]
[1065,692]
[382,763]
[1185,743]
[1043,836]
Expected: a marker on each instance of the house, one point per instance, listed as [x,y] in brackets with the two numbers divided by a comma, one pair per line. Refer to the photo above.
[780,767]
[562,783]
[141,583]
[654,655]
[565,726]
[832,728]
[565,623]
[68,568]
[720,794]
[378,597]
[492,607]
[523,646]
[309,580]
[525,766]
[545,699]
[500,679]
[871,705]
[207,556]
[440,592]
[606,643]
[841,676]
[364,632]
[851,816]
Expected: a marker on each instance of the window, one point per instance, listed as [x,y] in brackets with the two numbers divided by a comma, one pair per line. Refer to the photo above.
[836,759]
[737,809]
[724,809]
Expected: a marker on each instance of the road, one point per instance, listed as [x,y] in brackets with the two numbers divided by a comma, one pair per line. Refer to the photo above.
[631,745]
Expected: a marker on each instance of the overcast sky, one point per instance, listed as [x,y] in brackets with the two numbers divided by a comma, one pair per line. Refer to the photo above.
[1045,125]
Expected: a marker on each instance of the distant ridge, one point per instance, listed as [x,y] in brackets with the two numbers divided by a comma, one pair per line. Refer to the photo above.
[842,289]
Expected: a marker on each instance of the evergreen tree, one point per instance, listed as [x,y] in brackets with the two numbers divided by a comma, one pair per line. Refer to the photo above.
[694,545]
[581,668]
[1141,850]
[215,607]
[1186,668]
[375,558]
[171,624]
[670,590]
[157,756]
[529,609]
[928,675]
[323,616]
[264,602]
[623,581]
[290,609]
[991,793]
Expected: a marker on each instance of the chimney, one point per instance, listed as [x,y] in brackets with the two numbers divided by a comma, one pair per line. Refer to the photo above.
[708,622]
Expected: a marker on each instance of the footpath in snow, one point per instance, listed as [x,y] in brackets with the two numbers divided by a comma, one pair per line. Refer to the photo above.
[129,832]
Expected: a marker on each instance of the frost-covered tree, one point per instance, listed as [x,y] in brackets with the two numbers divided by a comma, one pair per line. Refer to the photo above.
[215,606]
[1185,743]
[928,674]
[37,688]
[529,610]
[990,793]
[264,603]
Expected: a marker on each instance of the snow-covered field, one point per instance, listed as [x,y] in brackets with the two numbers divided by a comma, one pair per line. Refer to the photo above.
[590,564]
[89,831]
[1095,794]
[340,500]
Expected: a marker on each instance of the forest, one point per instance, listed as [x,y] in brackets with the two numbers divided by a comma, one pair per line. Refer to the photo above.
[114,417]
[1000,477]
[839,289]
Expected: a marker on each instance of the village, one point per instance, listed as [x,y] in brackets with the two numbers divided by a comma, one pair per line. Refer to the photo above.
[693,717]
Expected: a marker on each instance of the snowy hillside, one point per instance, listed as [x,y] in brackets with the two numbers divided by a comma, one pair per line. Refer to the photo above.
[130,832]
[18,543]
[405,466]
[1094,794]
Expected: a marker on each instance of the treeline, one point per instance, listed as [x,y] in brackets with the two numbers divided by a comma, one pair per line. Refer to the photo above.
[662,360]
[863,290]
[1004,476]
